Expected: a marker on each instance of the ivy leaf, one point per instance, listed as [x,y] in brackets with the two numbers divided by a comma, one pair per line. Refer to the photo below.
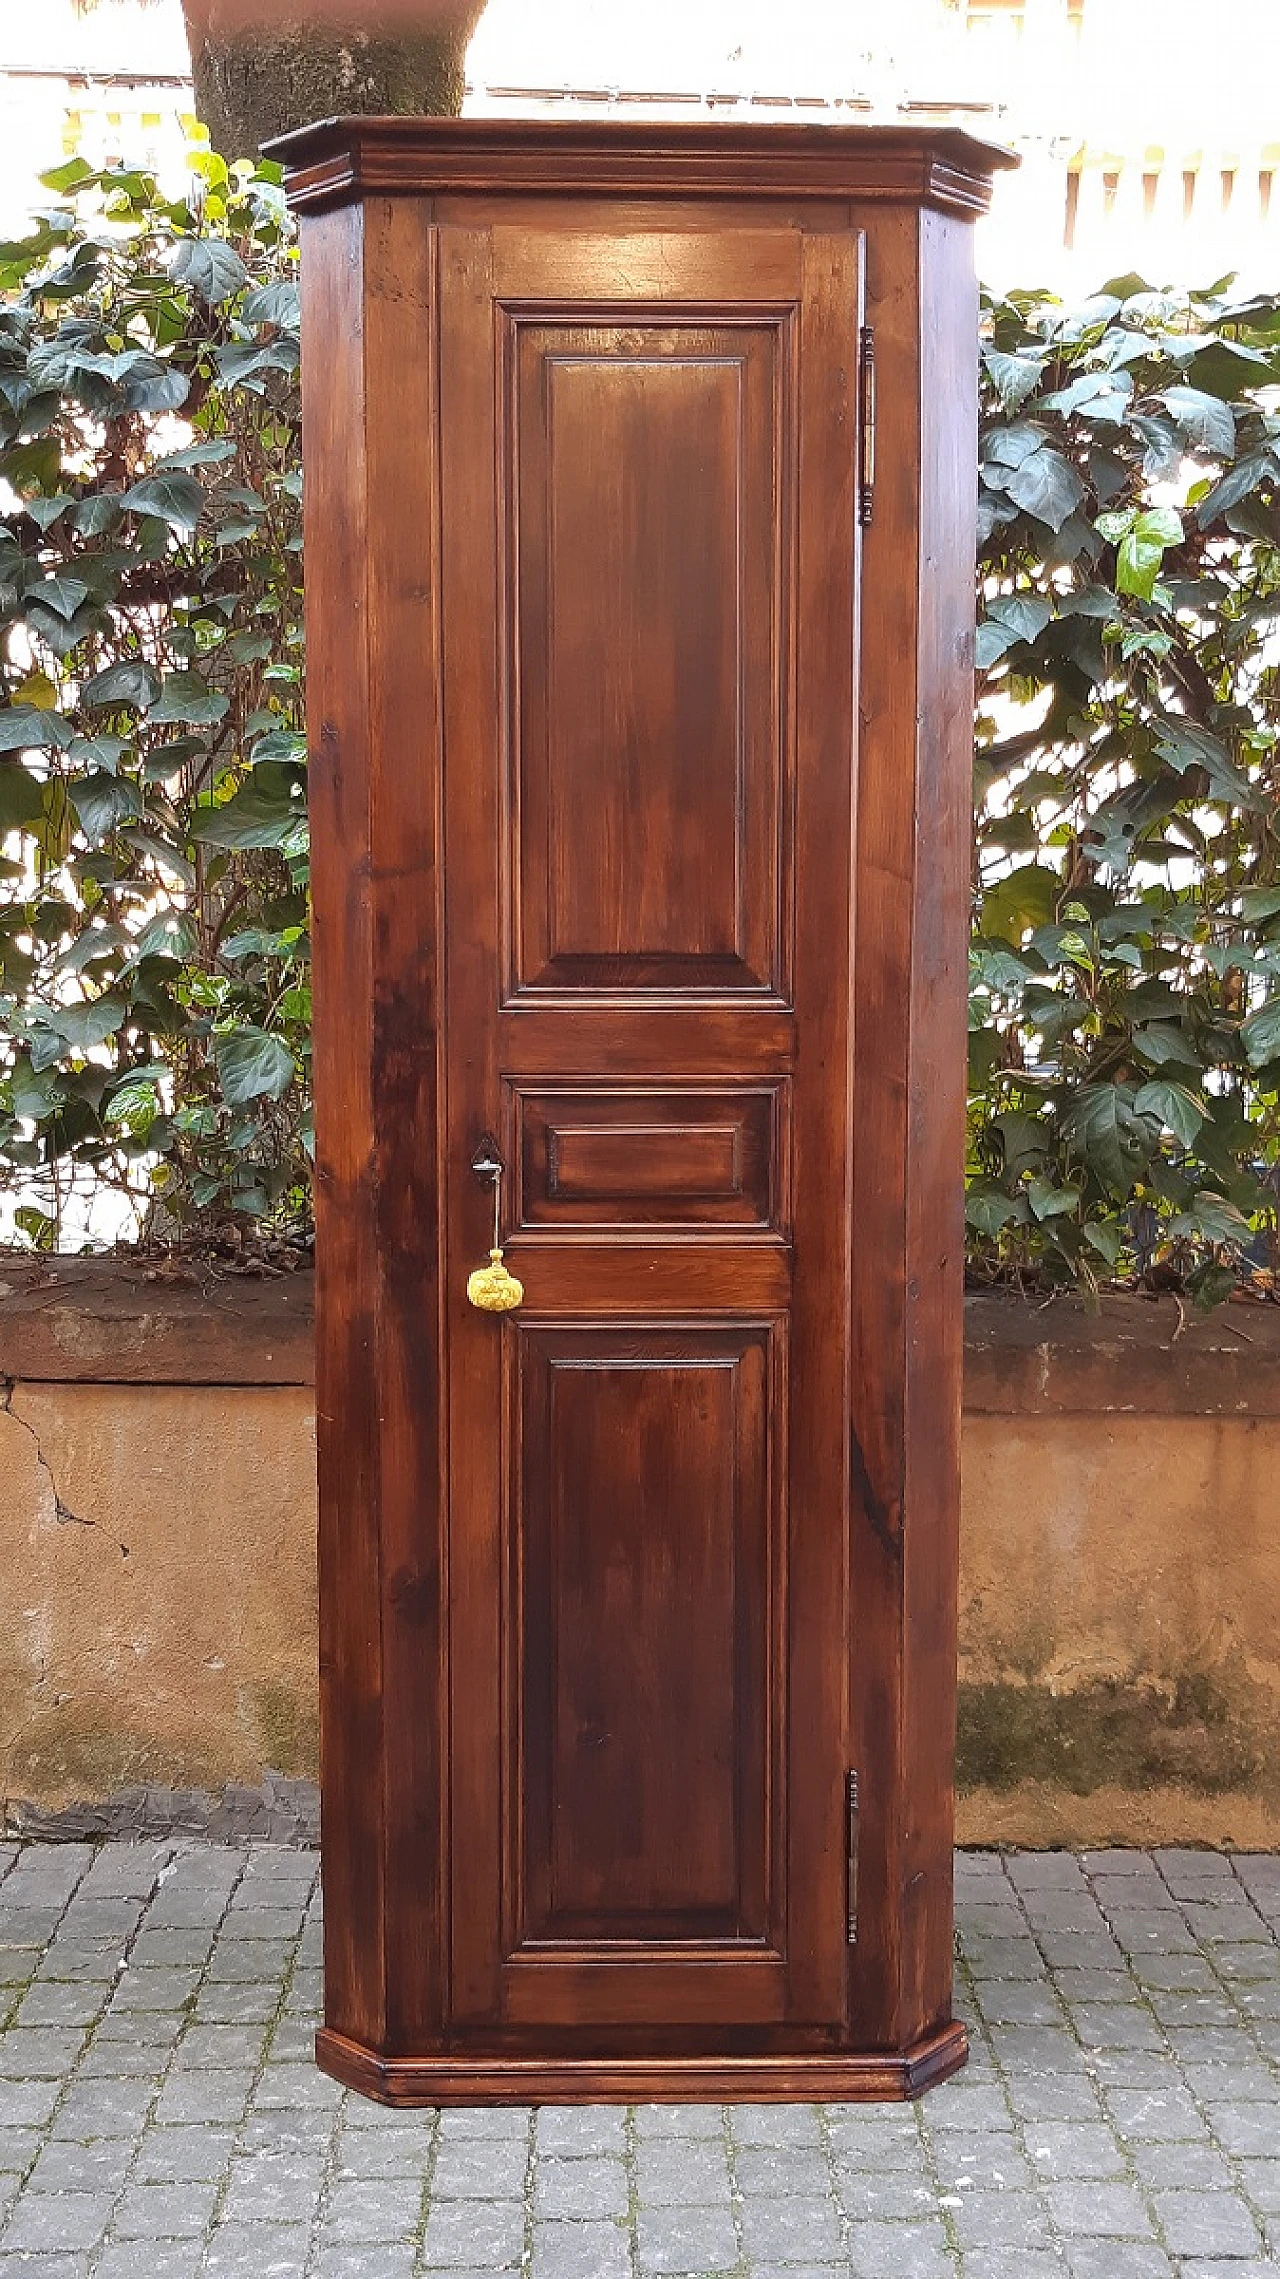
[1100,1124]
[278,303]
[251,1066]
[212,268]
[176,499]
[102,801]
[187,700]
[128,682]
[1177,1109]
[1015,377]
[1260,1035]
[1050,1202]
[33,728]
[1162,1045]
[79,1027]
[21,796]
[1212,1219]
[1046,486]
[1142,551]
[1185,744]
[250,818]
[987,1209]
[1205,420]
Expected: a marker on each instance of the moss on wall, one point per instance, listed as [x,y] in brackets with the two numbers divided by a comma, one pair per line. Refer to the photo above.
[1206,1734]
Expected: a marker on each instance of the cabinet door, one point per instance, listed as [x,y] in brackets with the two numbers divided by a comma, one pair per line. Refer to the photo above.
[648,565]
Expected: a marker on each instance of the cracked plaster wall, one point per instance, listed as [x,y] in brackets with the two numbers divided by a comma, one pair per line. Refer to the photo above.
[1120,1616]
[157,1589]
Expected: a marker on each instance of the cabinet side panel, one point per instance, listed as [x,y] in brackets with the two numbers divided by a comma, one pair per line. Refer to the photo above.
[936,1107]
[401,444]
[347,1401]
[884,887]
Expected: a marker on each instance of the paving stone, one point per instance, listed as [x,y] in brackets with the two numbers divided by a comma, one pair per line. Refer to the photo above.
[1178,2167]
[183,2155]
[39,2053]
[673,2173]
[1000,2219]
[1046,2097]
[908,2251]
[586,2251]
[476,2232]
[1251,2131]
[693,2240]
[258,2251]
[1260,2181]
[165,2259]
[36,2266]
[775,2125]
[1232,2270]
[204,2097]
[274,2187]
[1064,2150]
[104,2108]
[580,2188]
[1108,2259]
[808,2230]
[1097,2210]
[164,2211]
[379,2208]
[499,2124]
[1206,2223]
[18,2148]
[1011,2263]
[901,2195]
[364,2259]
[581,2130]
[26,2104]
[65,2166]
[47,2220]
[782,2169]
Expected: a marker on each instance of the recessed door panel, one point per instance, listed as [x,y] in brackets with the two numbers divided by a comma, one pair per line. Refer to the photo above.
[648,1568]
[648,497]
[636,1157]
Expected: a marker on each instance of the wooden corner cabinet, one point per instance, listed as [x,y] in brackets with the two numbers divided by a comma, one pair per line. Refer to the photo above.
[639,664]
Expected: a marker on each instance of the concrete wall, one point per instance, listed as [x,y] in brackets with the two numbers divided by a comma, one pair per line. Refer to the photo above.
[1120,1600]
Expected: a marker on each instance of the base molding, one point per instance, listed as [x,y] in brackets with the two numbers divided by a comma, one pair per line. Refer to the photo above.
[835,2077]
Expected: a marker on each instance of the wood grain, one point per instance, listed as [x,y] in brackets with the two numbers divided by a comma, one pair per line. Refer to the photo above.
[640,800]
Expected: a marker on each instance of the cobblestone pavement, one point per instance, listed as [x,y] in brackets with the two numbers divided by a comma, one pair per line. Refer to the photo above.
[160,2114]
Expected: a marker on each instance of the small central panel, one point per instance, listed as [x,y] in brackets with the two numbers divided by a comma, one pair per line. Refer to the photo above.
[646,600]
[643,1544]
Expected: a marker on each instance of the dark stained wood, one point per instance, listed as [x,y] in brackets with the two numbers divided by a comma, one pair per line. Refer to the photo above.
[642,792]
[640,1766]
[341,157]
[629,1156]
[799,2079]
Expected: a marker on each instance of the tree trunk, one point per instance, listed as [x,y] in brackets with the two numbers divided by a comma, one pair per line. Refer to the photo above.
[263,66]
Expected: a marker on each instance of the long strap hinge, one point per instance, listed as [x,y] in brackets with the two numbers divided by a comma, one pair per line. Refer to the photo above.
[851,1858]
[867,422]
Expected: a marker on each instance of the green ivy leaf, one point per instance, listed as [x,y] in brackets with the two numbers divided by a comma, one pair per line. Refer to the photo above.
[1205,420]
[129,682]
[1101,1125]
[176,499]
[1260,1035]
[252,1065]
[212,268]
[1177,1109]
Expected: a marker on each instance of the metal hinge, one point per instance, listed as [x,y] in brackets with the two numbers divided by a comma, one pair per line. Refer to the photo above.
[851,1858]
[867,423]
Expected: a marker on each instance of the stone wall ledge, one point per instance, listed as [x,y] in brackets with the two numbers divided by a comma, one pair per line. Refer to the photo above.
[112,1321]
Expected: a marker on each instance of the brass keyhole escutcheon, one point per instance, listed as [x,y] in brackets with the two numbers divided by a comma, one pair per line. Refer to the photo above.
[491,1288]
